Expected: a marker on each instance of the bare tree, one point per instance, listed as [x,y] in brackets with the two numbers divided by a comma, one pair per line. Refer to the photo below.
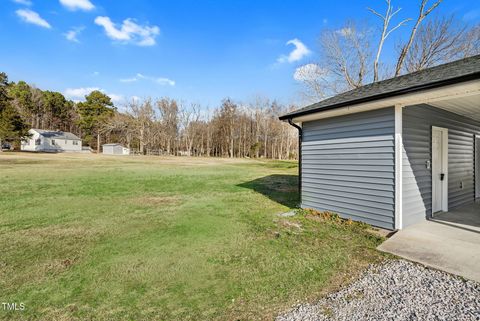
[438,41]
[386,19]
[189,118]
[346,55]
[169,117]
[423,13]
[315,80]
[143,118]
[348,60]
[120,128]
[471,43]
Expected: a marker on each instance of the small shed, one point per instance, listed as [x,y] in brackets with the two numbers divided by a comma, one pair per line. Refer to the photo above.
[115,149]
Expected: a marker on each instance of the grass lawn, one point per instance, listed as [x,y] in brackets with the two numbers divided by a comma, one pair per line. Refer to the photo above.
[149,238]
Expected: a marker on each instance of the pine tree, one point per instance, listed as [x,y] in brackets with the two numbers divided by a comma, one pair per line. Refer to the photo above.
[12,125]
[94,113]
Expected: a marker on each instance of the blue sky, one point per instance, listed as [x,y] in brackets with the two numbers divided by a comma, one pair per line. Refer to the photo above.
[197,51]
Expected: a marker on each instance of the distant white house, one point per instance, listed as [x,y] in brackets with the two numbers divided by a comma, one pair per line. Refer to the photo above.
[51,141]
[115,149]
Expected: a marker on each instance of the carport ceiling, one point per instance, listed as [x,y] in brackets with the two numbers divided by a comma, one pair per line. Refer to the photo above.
[468,106]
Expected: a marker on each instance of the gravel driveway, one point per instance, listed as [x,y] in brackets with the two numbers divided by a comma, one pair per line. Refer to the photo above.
[397,290]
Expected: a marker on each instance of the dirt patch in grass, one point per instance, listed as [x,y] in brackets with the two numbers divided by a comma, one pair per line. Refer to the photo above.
[56,266]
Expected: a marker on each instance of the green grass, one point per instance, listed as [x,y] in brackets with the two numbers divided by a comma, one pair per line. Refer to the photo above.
[138,238]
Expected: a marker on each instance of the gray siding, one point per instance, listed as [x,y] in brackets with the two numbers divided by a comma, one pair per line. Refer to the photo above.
[417,180]
[348,166]
[477,167]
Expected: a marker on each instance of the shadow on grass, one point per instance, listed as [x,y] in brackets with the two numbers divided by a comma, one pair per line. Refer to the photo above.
[282,189]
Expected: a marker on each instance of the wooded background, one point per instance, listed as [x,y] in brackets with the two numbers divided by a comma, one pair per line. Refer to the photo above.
[157,127]
[349,58]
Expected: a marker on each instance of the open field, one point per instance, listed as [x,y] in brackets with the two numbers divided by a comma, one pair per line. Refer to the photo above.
[96,237]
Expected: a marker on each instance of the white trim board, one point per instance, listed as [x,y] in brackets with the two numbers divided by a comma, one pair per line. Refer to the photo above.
[398,167]
[464,89]
[444,169]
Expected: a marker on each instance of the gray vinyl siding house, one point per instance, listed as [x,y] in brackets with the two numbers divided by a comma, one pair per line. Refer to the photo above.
[348,165]
[417,181]
[394,153]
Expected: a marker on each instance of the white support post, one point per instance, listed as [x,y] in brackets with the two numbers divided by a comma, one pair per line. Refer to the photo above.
[398,167]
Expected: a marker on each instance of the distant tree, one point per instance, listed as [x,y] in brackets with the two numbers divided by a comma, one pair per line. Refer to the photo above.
[224,122]
[21,95]
[441,40]
[170,122]
[190,123]
[348,59]
[58,109]
[4,97]
[424,11]
[41,117]
[386,31]
[120,128]
[143,123]
[94,113]
[12,126]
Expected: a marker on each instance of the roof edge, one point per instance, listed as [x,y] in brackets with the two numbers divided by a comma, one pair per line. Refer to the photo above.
[432,85]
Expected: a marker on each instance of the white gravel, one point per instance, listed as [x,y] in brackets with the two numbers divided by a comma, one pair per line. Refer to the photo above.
[396,290]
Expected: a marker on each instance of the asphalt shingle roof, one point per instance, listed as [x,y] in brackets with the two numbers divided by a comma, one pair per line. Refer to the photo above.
[449,73]
[56,134]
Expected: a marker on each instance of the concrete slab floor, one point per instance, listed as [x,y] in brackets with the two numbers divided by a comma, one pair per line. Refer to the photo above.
[449,242]
[467,217]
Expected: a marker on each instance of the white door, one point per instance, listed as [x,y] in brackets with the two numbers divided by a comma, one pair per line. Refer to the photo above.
[477,167]
[439,169]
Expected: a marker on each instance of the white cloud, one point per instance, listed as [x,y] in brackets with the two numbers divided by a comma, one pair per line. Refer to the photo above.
[75,93]
[165,81]
[30,16]
[24,2]
[159,80]
[96,73]
[346,31]
[116,98]
[77,5]
[129,31]
[309,72]
[297,54]
[72,34]
[133,79]
[78,94]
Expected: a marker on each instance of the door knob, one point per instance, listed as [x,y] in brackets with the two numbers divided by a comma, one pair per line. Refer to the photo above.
[442,176]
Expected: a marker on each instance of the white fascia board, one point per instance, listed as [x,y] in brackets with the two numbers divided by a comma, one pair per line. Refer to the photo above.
[422,97]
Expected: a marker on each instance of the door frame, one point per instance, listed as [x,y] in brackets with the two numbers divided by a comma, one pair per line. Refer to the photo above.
[477,166]
[444,169]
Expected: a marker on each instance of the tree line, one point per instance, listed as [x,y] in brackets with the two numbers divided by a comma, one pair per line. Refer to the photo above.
[163,126]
